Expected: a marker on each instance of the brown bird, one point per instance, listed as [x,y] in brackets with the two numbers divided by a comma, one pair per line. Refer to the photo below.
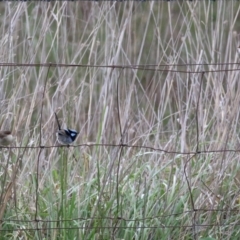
[5,138]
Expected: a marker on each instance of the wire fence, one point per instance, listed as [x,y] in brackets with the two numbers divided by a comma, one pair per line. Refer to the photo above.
[86,223]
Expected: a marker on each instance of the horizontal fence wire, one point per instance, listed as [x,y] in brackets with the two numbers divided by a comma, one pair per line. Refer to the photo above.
[121,1]
[232,67]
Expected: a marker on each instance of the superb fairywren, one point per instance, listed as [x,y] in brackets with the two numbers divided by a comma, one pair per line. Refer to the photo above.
[5,138]
[65,136]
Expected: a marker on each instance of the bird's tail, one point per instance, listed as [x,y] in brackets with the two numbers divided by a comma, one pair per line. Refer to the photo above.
[59,127]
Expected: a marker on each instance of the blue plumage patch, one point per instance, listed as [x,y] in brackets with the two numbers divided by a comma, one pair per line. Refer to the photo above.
[72,133]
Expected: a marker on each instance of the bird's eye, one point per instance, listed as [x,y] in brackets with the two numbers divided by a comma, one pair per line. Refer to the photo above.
[72,131]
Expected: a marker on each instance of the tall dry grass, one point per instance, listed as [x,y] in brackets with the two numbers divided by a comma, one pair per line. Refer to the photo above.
[106,192]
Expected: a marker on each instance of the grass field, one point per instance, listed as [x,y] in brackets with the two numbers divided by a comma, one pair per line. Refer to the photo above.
[157,156]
